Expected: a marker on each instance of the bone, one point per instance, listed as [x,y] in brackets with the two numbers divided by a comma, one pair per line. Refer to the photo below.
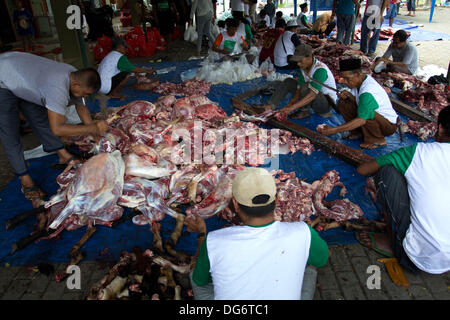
[113,289]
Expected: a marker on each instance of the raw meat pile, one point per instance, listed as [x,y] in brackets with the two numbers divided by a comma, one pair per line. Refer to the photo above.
[330,53]
[423,130]
[186,88]
[182,152]
[299,200]
[430,99]
[88,194]
[386,33]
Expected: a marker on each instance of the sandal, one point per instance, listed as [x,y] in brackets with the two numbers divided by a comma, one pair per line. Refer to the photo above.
[371,146]
[62,166]
[33,192]
[374,245]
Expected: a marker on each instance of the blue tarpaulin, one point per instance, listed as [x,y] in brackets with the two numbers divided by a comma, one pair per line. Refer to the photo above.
[127,235]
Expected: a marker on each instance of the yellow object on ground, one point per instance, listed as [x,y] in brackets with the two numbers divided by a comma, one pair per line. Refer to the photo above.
[395,272]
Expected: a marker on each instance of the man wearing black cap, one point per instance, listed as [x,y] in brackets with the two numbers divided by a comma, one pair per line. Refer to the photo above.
[367,110]
[308,91]
[302,20]
[115,69]
[262,259]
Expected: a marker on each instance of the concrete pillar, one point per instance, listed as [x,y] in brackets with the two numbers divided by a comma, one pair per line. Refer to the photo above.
[72,42]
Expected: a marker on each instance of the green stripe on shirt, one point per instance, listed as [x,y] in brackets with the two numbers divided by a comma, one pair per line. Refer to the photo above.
[125,65]
[201,275]
[318,250]
[301,78]
[367,106]
[320,75]
[400,159]
[304,20]
[248,32]
[318,257]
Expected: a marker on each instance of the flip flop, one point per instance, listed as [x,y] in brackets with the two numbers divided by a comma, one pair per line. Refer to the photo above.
[62,166]
[374,245]
[371,146]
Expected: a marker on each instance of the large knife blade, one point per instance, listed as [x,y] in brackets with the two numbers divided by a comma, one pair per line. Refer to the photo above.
[323,84]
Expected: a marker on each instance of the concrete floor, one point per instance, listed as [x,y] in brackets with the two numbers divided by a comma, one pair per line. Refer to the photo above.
[343,278]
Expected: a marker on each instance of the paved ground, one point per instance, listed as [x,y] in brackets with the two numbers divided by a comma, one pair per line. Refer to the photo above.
[343,278]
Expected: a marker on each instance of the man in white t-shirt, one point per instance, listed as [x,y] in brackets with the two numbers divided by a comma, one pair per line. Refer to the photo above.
[230,42]
[309,91]
[115,70]
[367,109]
[412,188]
[262,259]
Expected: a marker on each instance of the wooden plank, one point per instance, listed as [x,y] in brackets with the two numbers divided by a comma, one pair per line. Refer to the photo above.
[410,112]
[352,156]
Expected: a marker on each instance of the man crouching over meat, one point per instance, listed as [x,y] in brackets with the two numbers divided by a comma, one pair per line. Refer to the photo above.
[262,259]
[42,89]
[115,70]
[367,110]
[413,188]
[312,90]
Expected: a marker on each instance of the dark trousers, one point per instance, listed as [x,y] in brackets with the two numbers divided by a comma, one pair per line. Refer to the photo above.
[10,105]
[320,104]
[330,28]
[117,79]
[374,130]
[367,26]
[392,195]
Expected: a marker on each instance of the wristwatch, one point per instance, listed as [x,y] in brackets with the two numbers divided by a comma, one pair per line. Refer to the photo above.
[201,235]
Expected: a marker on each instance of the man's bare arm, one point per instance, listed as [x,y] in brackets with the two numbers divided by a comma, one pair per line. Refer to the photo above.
[60,128]
[84,114]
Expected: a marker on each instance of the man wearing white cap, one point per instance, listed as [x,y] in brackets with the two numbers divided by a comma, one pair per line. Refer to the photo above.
[262,259]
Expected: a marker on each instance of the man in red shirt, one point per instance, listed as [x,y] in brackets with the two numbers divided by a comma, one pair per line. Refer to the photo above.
[270,39]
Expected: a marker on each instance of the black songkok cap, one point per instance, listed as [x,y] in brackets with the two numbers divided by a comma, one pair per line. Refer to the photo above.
[349,64]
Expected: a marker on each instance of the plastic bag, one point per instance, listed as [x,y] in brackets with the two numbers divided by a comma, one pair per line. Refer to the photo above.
[188,33]
[379,67]
[267,67]
[194,36]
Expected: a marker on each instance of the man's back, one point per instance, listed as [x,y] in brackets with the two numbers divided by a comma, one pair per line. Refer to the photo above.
[266,262]
[428,241]
[36,79]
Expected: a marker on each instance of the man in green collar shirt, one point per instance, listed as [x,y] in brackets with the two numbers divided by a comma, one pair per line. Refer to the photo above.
[115,70]
[367,109]
[412,188]
[308,91]
[262,259]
